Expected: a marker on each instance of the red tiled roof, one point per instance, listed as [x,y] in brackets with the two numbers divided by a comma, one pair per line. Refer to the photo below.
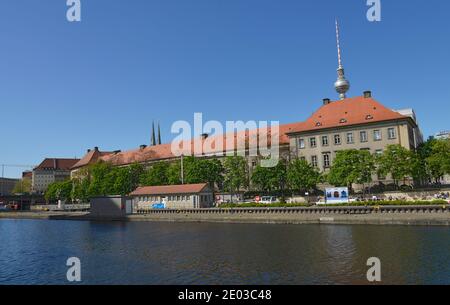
[27,174]
[170,189]
[351,111]
[57,163]
[162,151]
[91,157]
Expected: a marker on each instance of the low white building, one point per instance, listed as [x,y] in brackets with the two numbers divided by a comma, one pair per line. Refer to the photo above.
[185,196]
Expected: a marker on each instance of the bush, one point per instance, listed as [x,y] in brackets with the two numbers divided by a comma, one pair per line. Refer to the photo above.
[391,202]
[260,205]
[358,203]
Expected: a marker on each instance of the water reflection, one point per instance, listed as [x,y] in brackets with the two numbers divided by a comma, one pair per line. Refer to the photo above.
[192,253]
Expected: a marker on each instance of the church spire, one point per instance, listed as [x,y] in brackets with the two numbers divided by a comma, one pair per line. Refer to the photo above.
[153,140]
[159,134]
[341,85]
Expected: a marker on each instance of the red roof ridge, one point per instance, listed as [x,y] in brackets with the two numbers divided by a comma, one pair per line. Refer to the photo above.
[169,189]
[348,112]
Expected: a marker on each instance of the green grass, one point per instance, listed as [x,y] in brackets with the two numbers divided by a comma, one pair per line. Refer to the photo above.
[363,203]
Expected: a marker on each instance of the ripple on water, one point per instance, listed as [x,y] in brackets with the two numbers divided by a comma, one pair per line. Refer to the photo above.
[35,252]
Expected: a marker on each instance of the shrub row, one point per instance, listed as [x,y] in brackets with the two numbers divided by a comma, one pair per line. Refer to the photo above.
[358,203]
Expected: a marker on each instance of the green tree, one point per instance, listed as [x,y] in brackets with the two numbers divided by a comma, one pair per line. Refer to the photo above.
[261,179]
[268,179]
[100,179]
[80,190]
[23,186]
[438,160]
[236,177]
[59,190]
[174,173]
[397,161]
[136,171]
[351,166]
[302,176]
[157,174]
[198,170]
[419,167]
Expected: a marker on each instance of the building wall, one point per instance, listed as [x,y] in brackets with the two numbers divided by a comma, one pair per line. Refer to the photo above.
[176,201]
[112,206]
[403,135]
[7,185]
[41,179]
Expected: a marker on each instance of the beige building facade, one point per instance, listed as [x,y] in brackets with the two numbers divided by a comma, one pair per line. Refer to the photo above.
[186,196]
[50,170]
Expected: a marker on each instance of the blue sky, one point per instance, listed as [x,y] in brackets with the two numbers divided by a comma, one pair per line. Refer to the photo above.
[66,87]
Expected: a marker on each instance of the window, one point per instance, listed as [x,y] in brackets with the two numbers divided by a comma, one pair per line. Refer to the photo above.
[314,161]
[363,136]
[337,139]
[312,142]
[254,163]
[379,152]
[391,133]
[302,158]
[350,138]
[325,141]
[377,135]
[301,143]
[326,160]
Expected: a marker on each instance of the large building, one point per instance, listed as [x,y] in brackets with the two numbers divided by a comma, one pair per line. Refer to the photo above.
[442,135]
[348,123]
[7,185]
[352,123]
[51,170]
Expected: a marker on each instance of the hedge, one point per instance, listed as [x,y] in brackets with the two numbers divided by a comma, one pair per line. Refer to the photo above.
[357,203]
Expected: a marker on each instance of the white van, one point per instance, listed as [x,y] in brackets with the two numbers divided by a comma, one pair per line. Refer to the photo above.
[268,199]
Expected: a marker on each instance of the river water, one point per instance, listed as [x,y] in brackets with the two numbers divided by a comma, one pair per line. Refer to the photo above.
[36,251]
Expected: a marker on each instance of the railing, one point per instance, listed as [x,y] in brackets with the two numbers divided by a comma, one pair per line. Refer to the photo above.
[66,207]
[306,210]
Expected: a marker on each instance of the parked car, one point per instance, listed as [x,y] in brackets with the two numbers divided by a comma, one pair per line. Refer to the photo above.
[268,199]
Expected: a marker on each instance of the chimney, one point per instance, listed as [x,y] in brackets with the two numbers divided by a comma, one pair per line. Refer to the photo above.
[326,101]
[89,150]
[143,146]
[117,151]
[367,94]
[96,148]
[204,136]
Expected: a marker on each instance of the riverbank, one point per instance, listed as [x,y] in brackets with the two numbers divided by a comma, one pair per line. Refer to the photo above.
[394,215]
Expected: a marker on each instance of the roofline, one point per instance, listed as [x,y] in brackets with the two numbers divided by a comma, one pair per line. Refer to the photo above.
[406,118]
[205,185]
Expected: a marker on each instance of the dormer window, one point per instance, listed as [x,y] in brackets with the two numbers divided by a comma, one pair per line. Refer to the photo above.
[342,121]
[369,117]
[318,124]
